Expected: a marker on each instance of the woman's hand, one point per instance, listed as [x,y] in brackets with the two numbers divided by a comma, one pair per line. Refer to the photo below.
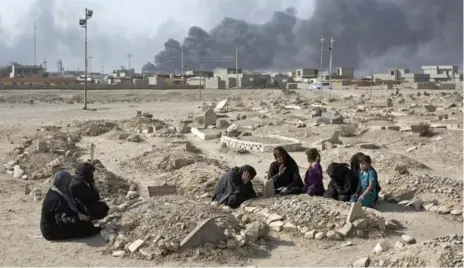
[282,169]
[83,217]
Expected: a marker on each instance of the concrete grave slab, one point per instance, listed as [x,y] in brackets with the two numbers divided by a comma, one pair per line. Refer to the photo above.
[222,106]
[262,143]
[205,232]
[210,118]
[206,134]
[162,190]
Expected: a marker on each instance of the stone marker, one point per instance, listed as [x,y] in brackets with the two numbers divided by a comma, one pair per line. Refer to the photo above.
[408,239]
[268,190]
[162,190]
[355,213]
[209,118]
[346,229]
[205,232]
[42,146]
[92,151]
[222,106]
[382,246]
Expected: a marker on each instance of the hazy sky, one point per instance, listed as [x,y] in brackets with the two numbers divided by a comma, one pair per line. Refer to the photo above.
[118,27]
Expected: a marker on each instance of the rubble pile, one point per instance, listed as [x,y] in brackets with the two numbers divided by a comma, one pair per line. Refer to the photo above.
[142,122]
[39,157]
[317,218]
[111,185]
[156,229]
[447,249]
[423,191]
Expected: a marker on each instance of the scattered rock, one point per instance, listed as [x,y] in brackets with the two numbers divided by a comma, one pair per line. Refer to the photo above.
[346,229]
[289,227]
[310,235]
[119,253]
[332,235]
[443,210]
[231,244]
[360,223]
[18,172]
[276,226]
[408,239]
[320,236]
[382,246]
[135,138]
[362,262]
[399,244]
[135,245]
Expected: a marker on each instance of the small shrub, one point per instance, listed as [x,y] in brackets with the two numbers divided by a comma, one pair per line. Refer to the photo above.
[349,130]
[424,130]
[401,169]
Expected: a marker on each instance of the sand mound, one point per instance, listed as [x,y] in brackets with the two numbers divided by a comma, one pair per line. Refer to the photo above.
[142,122]
[94,127]
[60,147]
[445,251]
[109,184]
[163,222]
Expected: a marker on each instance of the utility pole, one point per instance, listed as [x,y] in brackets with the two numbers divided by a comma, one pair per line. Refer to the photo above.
[129,56]
[35,46]
[201,69]
[332,45]
[182,59]
[45,64]
[320,66]
[83,23]
[90,64]
[236,66]
[372,80]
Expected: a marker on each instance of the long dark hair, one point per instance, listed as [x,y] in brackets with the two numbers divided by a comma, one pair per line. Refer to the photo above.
[313,155]
[354,162]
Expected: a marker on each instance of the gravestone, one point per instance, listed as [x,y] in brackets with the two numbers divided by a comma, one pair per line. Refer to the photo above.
[162,190]
[209,118]
[268,190]
[222,106]
[205,232]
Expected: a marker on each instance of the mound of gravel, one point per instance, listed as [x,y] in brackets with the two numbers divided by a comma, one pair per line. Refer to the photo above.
[163,222]
[109,184]
[305,213]
[94,127]
[445,251]
[445,191]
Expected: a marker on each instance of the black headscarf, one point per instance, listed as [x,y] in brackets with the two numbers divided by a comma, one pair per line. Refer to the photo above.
[85,172]
[246,168]
[355,163]
[289,162]
[60,184]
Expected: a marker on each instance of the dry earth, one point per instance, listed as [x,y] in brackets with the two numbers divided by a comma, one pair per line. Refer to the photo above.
[429,164]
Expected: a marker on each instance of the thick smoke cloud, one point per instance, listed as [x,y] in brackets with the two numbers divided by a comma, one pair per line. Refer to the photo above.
[375,34]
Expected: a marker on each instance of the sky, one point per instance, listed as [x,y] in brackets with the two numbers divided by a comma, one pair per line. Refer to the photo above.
[117,28]
[271,34]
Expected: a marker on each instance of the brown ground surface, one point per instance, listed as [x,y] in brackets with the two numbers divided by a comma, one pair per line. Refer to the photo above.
[435,167]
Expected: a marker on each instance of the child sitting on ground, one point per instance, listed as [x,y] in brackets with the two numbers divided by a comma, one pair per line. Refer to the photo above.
[367,189]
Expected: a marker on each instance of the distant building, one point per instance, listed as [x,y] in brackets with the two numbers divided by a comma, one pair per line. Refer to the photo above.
[229,76]
[304,73]
[18,70]
[402,75]
[442,73]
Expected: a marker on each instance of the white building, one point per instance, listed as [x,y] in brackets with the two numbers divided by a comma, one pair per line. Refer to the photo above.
[442,73]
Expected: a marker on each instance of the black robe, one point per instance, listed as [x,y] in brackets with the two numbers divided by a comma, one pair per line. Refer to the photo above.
[290,179]
[59,222]
[231,191]
[343,182]
[83,189]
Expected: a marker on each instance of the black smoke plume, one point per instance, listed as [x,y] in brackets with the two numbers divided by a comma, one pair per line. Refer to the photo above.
[375,34]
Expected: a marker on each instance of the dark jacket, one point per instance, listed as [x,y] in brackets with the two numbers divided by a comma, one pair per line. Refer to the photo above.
[231,191]
[59,222]
[343,182]
[290,179]
[83,189]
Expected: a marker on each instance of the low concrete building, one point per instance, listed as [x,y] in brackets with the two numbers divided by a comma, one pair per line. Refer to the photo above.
[402,75]
[166,80]
[442,73]
[215,83]
[230,76]
[304,73]
[18,70]
[345,73]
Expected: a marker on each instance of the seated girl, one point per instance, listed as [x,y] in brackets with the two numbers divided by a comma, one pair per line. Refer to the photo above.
[313,176]
[367,189]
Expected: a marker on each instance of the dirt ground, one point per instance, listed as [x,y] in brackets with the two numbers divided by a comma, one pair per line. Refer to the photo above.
[434,162]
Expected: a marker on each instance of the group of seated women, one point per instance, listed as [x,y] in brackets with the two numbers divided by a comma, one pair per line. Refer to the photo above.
[71,204]
[355,183]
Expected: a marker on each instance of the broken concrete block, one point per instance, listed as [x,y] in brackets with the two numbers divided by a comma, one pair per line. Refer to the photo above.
[290,227]
[118,253]
[276,226]
[136,245]
[382,246]
[355,213]
[18,172]
[346,229]
[274,217]
[205,232]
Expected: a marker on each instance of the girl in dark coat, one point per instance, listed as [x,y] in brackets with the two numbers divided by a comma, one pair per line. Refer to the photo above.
[343,182]
[235,187]
[284,173]
[62,217]
[83,189]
